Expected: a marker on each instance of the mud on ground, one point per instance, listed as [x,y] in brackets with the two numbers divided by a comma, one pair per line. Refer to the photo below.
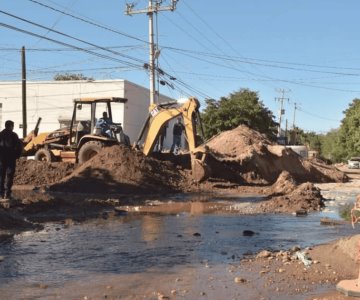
[247,163]
[243,161]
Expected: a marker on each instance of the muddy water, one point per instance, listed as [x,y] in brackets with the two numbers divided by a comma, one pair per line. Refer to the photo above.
[129,243]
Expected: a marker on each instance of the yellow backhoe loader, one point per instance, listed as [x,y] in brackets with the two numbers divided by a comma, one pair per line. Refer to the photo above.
[82,139]
[160,115]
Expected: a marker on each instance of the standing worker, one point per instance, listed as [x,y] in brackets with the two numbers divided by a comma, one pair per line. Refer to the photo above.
[177,132]
[162,135]
[10,150]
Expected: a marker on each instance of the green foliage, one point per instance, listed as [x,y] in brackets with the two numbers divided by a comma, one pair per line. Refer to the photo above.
[242,107]
[71,76]
[345,212]
[340,144]
[310,139]
[349,133]
[331,147]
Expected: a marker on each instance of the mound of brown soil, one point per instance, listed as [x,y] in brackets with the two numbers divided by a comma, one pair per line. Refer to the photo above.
[251,154]
[284,184]
[13,222]
[119,169]
[304,197]
[41,173]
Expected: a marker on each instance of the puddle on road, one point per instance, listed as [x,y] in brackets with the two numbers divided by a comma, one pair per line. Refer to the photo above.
[134,242]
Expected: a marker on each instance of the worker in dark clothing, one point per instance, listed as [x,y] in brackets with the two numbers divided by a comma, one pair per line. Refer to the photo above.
[10,150]
[162,135]
[177,132]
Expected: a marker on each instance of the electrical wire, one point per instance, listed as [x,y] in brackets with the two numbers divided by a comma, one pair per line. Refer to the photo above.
[317,116]
[69,36]
[90,22]
[67,45]
[55,23]
[234,59]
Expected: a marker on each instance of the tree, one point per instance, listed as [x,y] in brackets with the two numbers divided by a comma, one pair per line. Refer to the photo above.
[331,147]
[310,139]
[241,107]
[71,76]
[349,134]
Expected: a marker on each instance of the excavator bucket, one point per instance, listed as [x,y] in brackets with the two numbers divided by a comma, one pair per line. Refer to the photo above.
[200,170]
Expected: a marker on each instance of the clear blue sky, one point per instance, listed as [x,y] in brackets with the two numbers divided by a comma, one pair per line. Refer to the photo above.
[308,48]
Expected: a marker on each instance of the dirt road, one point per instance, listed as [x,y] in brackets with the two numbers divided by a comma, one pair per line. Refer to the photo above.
[261,275]
[119,190]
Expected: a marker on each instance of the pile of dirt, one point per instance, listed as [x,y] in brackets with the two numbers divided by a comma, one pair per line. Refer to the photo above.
[303,198]
[285,184]
[34,172]
[120,170]
[256,159]
[13,222]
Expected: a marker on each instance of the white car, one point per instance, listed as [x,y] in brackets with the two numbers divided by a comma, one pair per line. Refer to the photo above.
[354,163]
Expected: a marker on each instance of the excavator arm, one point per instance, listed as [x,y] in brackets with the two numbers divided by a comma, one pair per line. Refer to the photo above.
[160,114]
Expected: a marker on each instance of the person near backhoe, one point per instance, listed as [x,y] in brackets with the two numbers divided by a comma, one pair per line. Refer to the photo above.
[104,124]
[10,150]
[162,135]
[177,132]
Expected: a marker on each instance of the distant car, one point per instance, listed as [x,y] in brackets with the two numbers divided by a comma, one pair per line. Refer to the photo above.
[354,163]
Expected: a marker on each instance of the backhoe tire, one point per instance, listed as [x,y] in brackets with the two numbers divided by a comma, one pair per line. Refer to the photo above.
[89,150]
[44,155]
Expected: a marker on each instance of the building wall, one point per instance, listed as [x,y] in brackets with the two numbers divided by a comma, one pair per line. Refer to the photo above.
[299,149]
[137,108]
[53,101]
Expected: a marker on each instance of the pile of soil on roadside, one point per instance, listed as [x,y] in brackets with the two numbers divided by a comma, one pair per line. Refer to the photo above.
[249,154]
[285,184]
[32,172]
[305,197]
[13,222]
[121,170]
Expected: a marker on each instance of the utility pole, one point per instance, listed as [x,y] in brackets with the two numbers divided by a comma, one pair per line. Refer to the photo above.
[154,6]
[295,108]
[23,68]
[286,131]
[294,129]
[281,111]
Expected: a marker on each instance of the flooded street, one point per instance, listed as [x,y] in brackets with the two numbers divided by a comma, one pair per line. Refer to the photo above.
[134,243]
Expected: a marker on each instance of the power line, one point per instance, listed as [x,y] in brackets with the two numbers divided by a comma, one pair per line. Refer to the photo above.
[55,23]
[90,22]
[237,59]
[317,116]
[68,36]
[59,95]
[246,60]
[127,47]
[70,70]
[66,44]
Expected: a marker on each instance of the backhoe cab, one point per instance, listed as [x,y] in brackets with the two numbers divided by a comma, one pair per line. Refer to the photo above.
[83,138]
[160,115]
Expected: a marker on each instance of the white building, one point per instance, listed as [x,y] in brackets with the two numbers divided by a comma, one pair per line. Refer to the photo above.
[53,102]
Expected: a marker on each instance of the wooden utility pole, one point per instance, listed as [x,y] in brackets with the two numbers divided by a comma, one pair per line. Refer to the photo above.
[294,129]
[154,6]
[23,68]
[281,111]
